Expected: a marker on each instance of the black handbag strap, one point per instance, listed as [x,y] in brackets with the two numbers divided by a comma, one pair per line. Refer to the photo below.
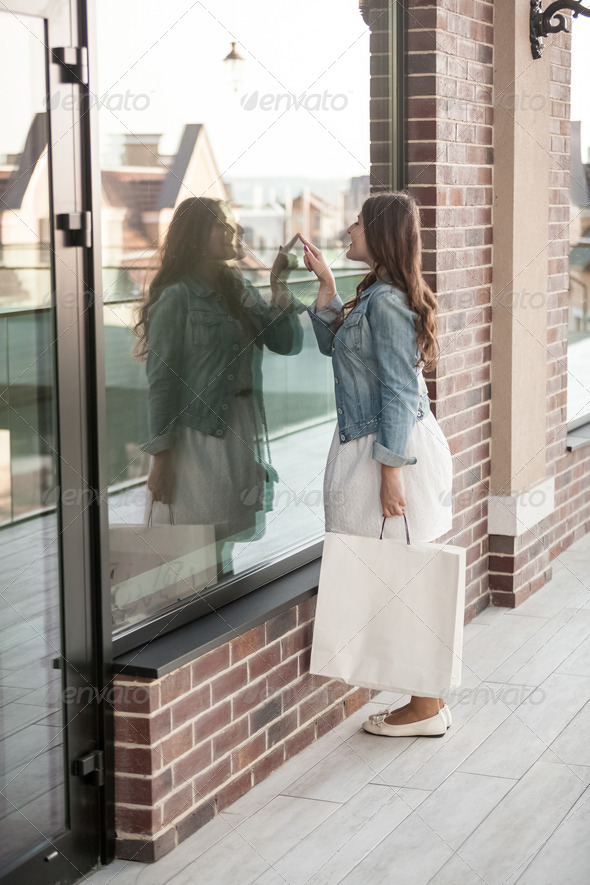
[406,527]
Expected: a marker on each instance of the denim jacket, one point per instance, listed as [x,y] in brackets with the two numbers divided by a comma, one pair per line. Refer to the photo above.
[200,357]
[374,354]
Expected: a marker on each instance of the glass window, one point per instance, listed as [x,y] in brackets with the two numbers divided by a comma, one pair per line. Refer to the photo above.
[27,436]
[224,131]
[32,740]
[578,359]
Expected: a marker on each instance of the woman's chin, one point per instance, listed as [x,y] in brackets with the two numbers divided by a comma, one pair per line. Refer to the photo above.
[354,257]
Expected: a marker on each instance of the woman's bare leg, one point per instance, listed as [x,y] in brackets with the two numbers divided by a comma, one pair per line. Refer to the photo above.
[418,708]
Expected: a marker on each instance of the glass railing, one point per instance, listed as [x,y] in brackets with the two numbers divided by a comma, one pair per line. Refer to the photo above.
[297,392]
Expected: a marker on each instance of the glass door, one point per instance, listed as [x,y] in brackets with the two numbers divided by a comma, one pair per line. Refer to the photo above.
[50,754]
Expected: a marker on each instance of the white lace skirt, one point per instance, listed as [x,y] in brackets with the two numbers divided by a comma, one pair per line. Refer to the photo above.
[352,483]
[218,481]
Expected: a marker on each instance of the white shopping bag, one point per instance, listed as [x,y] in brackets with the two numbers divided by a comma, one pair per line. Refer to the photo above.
[155,566]
[390,614]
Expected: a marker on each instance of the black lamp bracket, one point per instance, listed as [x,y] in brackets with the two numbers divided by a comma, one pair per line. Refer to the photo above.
[550,20]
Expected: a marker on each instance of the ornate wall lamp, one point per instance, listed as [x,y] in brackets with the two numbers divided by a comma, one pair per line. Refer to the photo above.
[542,24]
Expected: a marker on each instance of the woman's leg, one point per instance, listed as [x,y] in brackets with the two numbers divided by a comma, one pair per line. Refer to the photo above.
[418,708]
[441,703]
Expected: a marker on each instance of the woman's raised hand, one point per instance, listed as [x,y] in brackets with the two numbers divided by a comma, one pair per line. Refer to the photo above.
[316,263]
[279,266]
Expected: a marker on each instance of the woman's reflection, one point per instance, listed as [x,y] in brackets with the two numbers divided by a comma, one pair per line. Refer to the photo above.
[202,328]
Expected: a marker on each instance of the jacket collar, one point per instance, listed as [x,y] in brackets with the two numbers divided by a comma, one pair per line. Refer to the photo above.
[370,288]
[199,287]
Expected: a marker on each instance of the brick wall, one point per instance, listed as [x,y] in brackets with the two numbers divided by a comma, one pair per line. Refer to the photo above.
[377,16]
[450,157]
[450,166]
[191,743]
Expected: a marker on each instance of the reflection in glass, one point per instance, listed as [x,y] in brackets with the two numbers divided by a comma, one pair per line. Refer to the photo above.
[578,347]
[287,152]
[31,725]
[204,329]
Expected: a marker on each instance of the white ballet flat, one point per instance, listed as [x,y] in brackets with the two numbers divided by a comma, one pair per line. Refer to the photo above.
[445,710]
[434,726]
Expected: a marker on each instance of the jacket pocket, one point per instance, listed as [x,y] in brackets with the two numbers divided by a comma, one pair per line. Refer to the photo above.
[210,330]
[350,330]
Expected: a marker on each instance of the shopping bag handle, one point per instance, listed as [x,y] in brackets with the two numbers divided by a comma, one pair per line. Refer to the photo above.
[406,526]
[149,521]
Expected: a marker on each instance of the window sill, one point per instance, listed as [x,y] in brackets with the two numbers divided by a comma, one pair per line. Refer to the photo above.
[578,438]
[173,650]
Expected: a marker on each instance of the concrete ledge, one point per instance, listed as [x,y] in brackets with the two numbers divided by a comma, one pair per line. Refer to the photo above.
[578,437]
[514,514]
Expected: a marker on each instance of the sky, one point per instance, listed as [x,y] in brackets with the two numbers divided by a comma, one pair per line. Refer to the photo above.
[169,71]
[317,51]
[21,44]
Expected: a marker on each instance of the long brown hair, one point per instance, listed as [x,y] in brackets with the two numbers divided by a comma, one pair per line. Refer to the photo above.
[184,252]
[391,222]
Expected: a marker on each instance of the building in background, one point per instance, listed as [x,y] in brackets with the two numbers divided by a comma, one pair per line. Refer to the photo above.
[579,230]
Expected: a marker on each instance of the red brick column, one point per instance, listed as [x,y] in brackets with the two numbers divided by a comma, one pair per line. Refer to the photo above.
[450,171]
[450,157]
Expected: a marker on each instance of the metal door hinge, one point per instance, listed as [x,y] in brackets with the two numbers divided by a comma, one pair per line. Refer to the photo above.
[90,764]
[77,227]
[73,61]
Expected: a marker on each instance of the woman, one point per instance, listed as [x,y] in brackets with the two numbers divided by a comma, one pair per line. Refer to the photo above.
[202,330]
[389,455]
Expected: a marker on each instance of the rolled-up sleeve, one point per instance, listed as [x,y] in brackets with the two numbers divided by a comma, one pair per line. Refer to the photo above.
[325,322]
[394,341]
[164,366]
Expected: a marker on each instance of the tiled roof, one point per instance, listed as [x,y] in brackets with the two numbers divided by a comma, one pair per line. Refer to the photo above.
[139,190]
[176,173]
[18,182]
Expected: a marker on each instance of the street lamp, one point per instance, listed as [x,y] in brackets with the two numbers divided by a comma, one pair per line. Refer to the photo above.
[234,58]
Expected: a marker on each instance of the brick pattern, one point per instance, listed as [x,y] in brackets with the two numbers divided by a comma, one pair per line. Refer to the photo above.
[450,157]
[381,135]
[191,743]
